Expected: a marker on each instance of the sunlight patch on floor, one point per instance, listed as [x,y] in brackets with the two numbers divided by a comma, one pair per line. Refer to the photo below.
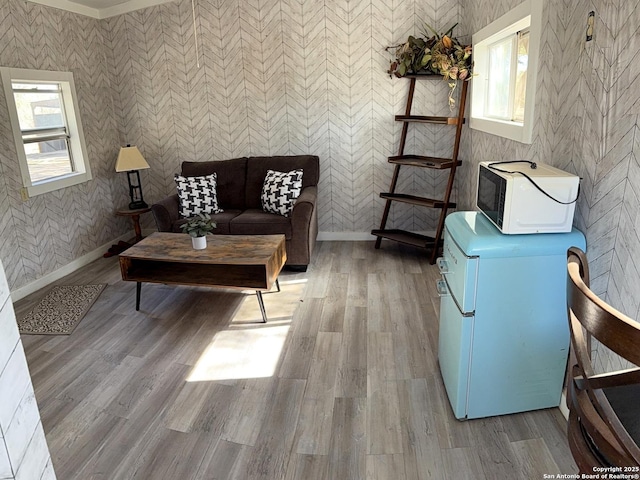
[247,353]
[249,348]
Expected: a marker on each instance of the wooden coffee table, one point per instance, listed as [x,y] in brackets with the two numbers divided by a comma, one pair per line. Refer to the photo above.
[229,261]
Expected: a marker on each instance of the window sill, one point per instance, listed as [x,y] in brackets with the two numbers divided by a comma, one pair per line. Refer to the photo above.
[511,130]
[57,183]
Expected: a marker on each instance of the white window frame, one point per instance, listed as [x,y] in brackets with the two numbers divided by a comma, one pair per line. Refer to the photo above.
[527,15]
[76,142]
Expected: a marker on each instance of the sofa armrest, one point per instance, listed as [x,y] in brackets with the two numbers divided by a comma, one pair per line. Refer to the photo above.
[304,228]
[304,205]
[166,213]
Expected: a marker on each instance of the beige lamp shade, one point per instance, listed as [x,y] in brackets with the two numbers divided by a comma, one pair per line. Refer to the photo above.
[129,159]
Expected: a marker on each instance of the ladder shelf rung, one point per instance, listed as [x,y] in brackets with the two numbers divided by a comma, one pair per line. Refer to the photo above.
[422,161]
[406,237]
[415,200]
[428,119]
[426,76]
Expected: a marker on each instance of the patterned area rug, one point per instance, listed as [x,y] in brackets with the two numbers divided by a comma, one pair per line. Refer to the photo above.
[61,310]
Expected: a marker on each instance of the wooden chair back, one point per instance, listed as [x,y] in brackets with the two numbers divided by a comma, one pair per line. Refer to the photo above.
[604,418]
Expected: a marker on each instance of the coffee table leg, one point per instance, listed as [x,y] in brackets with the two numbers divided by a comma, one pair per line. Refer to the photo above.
[261,303]
[138,290]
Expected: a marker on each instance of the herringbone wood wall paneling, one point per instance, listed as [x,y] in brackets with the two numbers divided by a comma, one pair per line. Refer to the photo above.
[281,77]
[607,150]
[49,231]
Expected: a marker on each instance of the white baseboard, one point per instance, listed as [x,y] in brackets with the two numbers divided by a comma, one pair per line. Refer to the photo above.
[563,405]
[352,236]
[74,265]
[344,236]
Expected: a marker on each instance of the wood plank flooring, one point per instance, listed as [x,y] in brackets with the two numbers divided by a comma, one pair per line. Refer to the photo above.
[341,383]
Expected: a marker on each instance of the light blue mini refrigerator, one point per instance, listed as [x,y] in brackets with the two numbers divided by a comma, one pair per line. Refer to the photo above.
[504,336]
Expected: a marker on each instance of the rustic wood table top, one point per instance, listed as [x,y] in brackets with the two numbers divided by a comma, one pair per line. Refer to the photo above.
[221,249]
[229,261]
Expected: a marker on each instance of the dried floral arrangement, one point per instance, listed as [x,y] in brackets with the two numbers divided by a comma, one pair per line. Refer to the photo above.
[439,54]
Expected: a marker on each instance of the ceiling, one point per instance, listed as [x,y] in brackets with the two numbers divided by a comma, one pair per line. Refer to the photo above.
[100,8]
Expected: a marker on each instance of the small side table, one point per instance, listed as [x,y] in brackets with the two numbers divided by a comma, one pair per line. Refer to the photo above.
[135,218]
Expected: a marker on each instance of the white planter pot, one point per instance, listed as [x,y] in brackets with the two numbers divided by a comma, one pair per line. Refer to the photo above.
[199,243]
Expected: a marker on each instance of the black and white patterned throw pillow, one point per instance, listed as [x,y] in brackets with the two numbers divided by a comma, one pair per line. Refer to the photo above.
[280,191]
[197,195]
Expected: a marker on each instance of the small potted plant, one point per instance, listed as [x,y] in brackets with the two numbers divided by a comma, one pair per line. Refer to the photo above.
[198,227]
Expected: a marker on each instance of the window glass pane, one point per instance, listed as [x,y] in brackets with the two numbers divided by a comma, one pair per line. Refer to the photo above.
[42,121]
[39,109]
[500,54]
[521,76]
[48,159]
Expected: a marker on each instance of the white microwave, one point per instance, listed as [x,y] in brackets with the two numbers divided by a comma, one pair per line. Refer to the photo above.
[525,197]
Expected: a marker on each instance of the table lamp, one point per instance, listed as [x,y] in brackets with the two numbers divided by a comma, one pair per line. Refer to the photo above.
[130,160]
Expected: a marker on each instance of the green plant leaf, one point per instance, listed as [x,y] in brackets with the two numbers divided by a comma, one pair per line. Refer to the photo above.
[199,225]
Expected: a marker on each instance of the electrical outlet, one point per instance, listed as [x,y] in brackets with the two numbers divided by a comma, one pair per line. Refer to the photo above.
[591,20]
[24,194]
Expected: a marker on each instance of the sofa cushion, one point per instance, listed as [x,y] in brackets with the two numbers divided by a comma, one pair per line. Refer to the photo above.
[222,221]
[256,222]
[280,191]
[257,169]
[197,195]
[231,175]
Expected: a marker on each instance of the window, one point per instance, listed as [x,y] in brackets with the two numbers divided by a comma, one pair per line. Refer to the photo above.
[47,129]
[507,80]
[506,58]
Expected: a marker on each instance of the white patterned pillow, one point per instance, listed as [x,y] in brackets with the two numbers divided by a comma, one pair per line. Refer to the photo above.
[280,191]
[197,195]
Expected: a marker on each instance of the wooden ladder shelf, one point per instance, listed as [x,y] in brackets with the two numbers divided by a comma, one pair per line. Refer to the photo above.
[410,238]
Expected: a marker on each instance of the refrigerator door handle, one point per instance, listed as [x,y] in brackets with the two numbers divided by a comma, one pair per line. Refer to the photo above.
[444,291]
[442,288]
[442,264]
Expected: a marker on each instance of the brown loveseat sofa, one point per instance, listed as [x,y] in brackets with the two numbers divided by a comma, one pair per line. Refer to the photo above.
[239,184]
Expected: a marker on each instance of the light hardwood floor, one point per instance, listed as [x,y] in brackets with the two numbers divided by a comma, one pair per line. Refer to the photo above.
[342,383]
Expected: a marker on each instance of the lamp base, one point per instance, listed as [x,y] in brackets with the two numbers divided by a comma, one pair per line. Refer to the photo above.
[138,205]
